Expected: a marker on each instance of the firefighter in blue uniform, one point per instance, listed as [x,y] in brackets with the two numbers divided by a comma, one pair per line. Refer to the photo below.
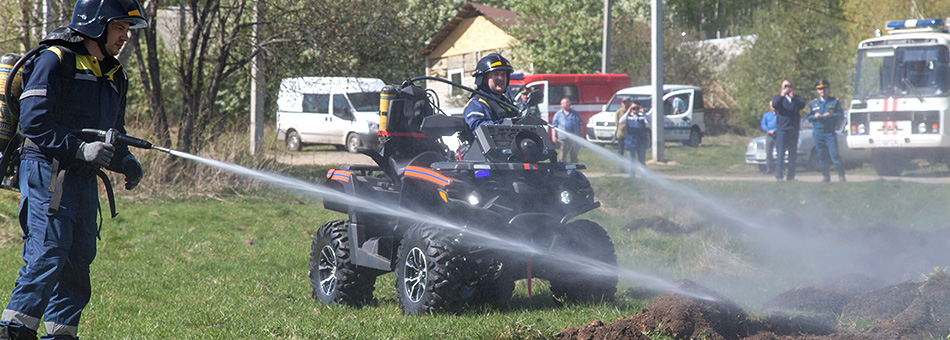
[491,77]
[825,115]
[57,164]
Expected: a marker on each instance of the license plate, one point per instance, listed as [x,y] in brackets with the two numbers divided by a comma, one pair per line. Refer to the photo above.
[889,143]
[603,133]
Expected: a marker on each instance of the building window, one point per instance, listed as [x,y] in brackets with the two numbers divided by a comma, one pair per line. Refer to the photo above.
[456,77]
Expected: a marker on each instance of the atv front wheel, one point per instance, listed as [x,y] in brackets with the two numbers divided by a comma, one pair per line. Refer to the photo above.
[427,277]
[589,273]
[334,279]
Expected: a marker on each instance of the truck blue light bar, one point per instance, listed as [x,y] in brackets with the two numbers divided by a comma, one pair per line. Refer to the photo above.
[892,25]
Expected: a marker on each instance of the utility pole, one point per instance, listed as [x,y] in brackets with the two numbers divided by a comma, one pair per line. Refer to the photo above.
[257,86]
[605,59]
[657,74]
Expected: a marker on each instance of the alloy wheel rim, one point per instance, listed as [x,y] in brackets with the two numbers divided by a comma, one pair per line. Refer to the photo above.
[327,270]
[416,272]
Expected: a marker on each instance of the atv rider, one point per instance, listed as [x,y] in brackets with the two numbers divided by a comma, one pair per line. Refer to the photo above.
[58,167]
[491,79]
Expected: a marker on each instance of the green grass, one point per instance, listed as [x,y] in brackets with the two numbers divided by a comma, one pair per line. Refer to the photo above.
[236,267]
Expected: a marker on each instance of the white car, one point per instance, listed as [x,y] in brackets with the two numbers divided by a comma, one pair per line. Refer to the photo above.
[807,153]
[686,127]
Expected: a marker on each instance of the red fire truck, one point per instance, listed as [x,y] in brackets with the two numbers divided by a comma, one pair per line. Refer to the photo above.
[588,92]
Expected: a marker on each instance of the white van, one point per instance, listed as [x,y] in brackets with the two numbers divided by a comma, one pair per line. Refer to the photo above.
[686,127]
[329,110]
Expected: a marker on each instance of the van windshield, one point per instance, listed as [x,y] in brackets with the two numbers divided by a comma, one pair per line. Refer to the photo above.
[642,99]
[364,101]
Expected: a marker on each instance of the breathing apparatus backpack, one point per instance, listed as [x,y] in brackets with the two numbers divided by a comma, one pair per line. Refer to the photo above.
[11,87]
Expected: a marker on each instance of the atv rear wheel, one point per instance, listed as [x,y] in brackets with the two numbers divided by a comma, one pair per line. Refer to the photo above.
[590,273]
[427,271]
[334,279]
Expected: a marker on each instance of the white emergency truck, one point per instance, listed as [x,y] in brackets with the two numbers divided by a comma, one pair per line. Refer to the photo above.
[337,111]
[902,95]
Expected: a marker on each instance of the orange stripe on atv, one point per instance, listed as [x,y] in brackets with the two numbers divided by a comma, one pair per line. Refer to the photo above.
[428,175]
[339,175]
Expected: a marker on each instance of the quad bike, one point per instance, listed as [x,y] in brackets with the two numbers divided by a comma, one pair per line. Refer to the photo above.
[498,210]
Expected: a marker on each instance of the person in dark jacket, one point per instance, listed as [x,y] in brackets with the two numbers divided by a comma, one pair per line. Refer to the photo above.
[825,114]
[787,105]
[58,164]
[637,135]
[491,77]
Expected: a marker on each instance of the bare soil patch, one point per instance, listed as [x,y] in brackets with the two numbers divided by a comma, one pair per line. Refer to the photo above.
[910,310]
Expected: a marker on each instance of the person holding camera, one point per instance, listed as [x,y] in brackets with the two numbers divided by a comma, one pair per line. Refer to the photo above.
[787,104]
[637,133]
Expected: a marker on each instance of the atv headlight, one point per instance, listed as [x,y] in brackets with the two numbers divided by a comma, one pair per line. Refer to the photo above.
[474,198]
[566,197]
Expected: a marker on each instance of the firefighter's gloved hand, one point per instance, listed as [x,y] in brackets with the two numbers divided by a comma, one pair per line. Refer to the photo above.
[133,172]
[98,153]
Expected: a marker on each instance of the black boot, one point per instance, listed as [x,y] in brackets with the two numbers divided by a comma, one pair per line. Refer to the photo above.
[841,174]
[826,175]
[15,331]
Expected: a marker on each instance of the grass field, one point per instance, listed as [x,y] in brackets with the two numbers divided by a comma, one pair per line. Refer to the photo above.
[235,266]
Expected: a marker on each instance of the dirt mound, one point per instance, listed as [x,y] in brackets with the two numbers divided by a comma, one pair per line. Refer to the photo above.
[811,298]
[905,311]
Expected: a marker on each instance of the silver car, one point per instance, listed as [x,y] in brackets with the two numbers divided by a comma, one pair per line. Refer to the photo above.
[807,153]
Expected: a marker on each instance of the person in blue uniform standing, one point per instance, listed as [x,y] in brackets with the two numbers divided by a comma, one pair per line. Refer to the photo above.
[825,114]
[637,134]
[768,126]
[566,121]
[57,164]
[491,77]
[787,105]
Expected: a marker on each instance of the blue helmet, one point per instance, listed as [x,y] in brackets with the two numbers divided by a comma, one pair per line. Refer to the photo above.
[90,17]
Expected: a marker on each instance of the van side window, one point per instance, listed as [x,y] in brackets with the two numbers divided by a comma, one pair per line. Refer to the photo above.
[318,103]
[558,92]
[341,108]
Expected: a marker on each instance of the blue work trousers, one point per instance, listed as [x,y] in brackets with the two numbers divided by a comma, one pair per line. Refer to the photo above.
[636,155]
[57,250]
[786,141]
[827,145]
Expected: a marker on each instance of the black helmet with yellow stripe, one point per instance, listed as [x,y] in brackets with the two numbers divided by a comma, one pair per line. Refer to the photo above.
[90,17]
[490,63]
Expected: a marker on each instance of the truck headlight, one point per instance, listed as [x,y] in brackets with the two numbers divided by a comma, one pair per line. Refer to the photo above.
[373,126]
[862,129]
[922,127]
[751,146]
